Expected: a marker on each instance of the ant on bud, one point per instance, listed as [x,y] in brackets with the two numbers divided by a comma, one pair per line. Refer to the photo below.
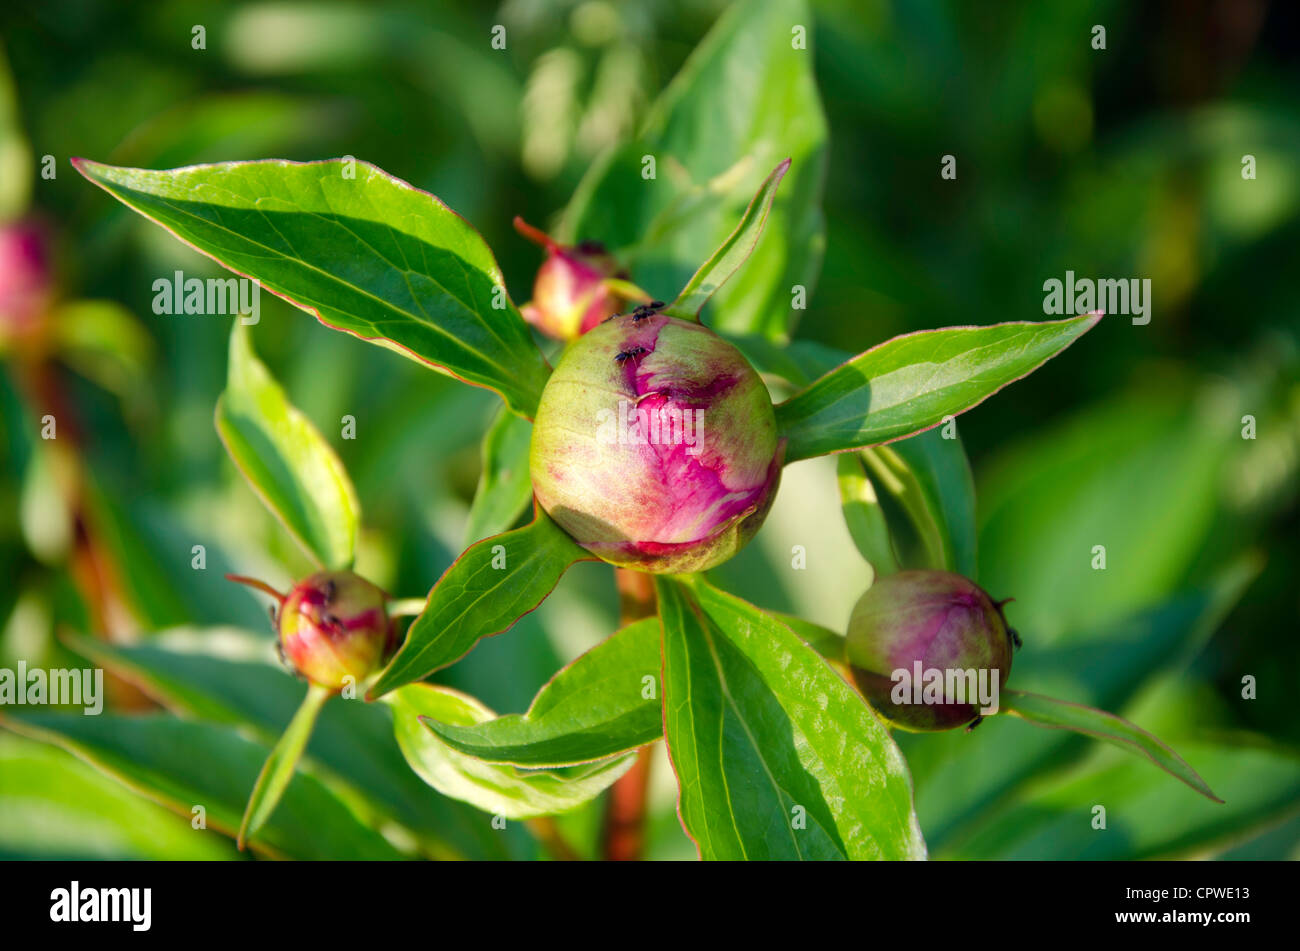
[643,311]
[629,354]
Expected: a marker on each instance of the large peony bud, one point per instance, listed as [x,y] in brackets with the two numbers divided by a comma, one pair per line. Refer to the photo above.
[655,445]
[910,630]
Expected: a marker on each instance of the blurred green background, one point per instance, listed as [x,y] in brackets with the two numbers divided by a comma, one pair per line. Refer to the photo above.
[1122,162]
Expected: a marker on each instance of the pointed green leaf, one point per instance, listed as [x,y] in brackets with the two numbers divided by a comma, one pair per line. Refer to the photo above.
[500,790]
[910,383]
[864,516]
[231,677]
[504,487]
[485,591]
[745,99]
[362,251]
[281,764]
[53,806]
[285,459]
[1147,817]
[1063,715]
[731,254]
[183,764]
[828,643]
[776,756]
[938,493]
[593,708]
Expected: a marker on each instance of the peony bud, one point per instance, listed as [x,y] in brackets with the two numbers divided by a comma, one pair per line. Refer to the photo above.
[655,445]
[572,293]
[332,625]
[25,288]
[920,622]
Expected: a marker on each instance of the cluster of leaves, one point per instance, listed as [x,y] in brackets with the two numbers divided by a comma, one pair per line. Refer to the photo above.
[398,268]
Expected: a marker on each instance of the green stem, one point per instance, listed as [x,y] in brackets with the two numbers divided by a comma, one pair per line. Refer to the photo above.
[279,767]
[406,607]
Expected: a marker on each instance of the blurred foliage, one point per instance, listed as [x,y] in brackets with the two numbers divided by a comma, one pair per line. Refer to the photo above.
[1123,162]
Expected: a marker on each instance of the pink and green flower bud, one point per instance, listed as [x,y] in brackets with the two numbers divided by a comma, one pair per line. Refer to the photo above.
[25,284]
[333,627]
[655,445]
[573,291]
[910,630]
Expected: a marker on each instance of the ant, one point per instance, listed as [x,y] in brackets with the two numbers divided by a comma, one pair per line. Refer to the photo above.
[643,311]
[629,354]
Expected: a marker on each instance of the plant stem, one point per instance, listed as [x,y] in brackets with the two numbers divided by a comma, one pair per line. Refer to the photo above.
[625,811]
[549,835]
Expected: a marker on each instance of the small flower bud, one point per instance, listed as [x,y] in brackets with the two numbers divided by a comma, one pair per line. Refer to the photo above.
[332,625]
[655,445]
[25,285]
[572,293]
[927,621]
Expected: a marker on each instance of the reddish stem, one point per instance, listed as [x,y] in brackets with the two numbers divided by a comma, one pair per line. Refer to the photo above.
[535,235]
[259,585]
[625,812]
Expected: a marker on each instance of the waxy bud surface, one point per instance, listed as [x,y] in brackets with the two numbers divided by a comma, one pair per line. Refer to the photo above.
[655,445]
[334,625]
[936,618]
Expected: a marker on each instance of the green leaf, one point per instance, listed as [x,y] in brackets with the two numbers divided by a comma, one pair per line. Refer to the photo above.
[485,591]
[184,764]
[53,806]
[230,677]
[731,254]
[17,163]
[828,643]
[104,342]
[504,487]
[1046,501]
[500,790]
[960,777]
[910,383]
[797,363]
[930,478]
[939,495]
[864,516]
[593,708]
[1063,715]
[1147,816]
[362,251]
[286,460]
[281,764]
[776,756]
[744,100]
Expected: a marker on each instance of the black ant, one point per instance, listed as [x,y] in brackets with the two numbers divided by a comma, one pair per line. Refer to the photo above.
[629,354]
[643,311]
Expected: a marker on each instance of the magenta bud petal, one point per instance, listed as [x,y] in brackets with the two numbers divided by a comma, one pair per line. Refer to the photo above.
[571,294]
[25,286]
[910,630]
[334,625]
[655,445]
